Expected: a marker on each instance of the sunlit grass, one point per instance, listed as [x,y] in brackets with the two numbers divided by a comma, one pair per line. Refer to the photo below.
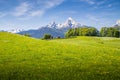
[81,58]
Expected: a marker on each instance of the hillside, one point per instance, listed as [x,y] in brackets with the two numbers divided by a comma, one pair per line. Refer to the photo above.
[80,58]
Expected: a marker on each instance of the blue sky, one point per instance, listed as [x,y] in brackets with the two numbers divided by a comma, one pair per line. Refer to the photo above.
[32,14]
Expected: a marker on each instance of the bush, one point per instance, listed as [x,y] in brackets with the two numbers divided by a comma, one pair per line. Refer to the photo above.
[47,36]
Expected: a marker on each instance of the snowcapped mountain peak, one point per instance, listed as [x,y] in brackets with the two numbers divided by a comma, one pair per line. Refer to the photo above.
[118,22]
[70,23]
[15,30]
[70,18]
[52,25]
[53,22]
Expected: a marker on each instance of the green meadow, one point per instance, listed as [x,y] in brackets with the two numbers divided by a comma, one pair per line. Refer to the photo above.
[80,58]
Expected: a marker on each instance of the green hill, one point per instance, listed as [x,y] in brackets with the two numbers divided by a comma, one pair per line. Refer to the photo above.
[80,58]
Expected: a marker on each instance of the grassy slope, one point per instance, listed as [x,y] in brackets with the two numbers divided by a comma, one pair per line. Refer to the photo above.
[81,58]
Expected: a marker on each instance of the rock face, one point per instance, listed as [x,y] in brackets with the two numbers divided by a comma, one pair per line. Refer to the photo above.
[54,29]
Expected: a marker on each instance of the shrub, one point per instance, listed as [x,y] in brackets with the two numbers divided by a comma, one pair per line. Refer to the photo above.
[47,36]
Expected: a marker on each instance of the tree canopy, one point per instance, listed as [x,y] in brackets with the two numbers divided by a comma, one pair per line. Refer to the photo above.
[91,31]
[85,31]
[109,32]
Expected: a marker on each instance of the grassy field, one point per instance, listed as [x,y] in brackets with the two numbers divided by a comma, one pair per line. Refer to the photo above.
[80,58]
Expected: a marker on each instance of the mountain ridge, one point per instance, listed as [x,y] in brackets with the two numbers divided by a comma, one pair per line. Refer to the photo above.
[56,29]
[53,28]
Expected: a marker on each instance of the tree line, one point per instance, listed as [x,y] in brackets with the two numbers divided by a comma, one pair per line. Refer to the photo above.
[109,32]
[91,31]
[87,31]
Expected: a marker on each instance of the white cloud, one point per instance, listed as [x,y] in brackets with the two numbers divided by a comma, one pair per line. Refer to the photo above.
[37,13]
[101,2]
[93,18]
[94,2]
[38,8]
[22,9]
[89,1]
[2,14]
[49,4]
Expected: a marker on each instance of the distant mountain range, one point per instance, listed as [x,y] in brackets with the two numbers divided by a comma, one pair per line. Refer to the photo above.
[15,30]
[54,29]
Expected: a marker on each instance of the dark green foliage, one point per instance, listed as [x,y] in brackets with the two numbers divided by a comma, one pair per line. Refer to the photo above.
[47,36]
[103,31]
[28,35]
[109,32]
[86,31]
[91,31]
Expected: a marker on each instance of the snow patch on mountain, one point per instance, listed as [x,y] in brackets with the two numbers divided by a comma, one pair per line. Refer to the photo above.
[69,23]
[15,30]
[118,22]
[52,25]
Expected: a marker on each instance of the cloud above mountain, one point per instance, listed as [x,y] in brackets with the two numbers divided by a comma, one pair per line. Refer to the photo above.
[40,12]
[28,9]
[22,9]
